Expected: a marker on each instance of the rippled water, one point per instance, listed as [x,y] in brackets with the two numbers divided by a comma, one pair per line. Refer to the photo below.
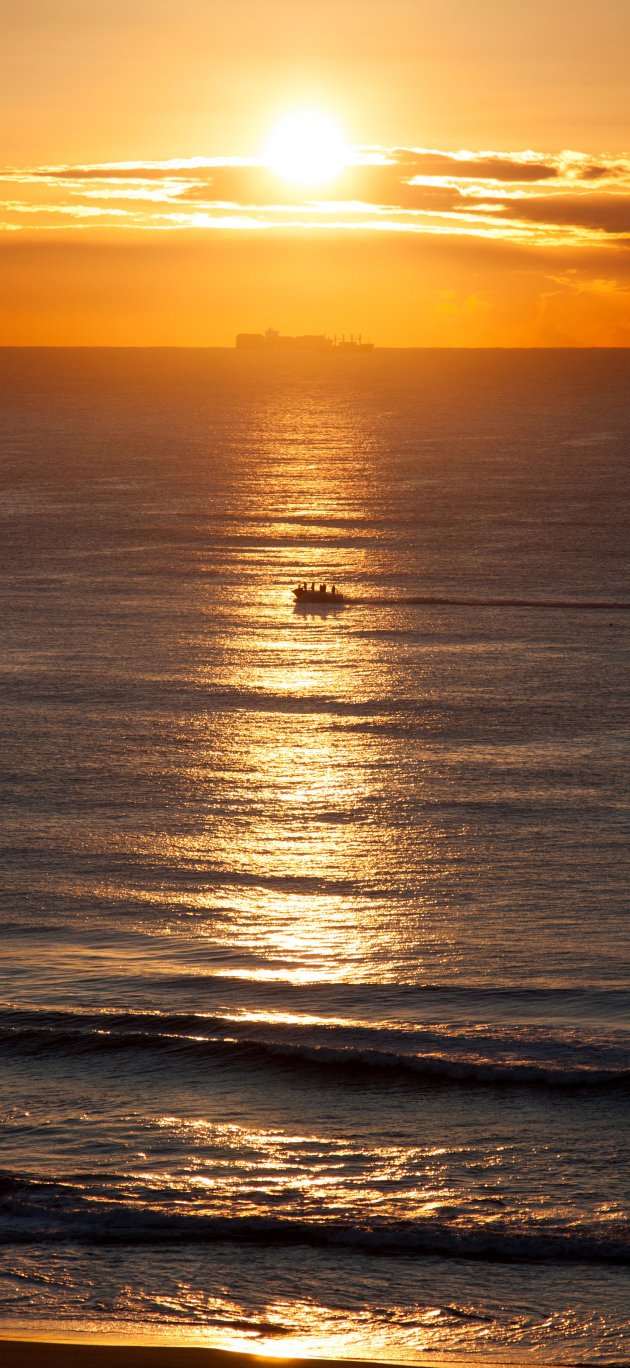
[313,1008]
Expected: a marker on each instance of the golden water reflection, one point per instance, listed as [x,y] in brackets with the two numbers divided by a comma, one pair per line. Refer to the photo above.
[276,812]
[303,836]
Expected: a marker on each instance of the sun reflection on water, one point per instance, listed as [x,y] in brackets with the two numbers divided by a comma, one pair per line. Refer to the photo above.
[280,833]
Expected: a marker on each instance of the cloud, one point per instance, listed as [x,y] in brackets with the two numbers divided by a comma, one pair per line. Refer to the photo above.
[175,167]
[606,171]
[527,196]
[519,167]
[604,213]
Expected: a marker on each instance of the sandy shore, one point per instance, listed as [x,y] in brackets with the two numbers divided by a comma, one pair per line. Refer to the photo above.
[101,1353]
[35,1353]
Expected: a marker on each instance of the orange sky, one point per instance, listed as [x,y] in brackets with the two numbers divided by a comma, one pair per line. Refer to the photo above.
[137,208]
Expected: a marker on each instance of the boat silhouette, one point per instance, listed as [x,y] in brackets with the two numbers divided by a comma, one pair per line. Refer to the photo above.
[330,598]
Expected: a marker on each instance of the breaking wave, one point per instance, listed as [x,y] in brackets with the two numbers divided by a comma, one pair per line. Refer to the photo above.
[58,1210]
[487,1055]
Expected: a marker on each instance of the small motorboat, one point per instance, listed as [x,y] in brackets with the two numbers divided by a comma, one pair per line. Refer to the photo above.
[319,594]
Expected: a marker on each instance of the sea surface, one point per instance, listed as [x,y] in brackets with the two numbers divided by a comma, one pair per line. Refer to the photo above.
[315,940]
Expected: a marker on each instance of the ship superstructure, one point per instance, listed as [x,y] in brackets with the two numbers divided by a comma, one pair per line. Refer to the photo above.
[271,340]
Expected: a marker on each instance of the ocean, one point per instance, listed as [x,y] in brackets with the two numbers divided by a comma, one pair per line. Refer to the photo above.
[315,946]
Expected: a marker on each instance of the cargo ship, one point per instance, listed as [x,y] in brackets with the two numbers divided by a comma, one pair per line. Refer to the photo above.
[318,342]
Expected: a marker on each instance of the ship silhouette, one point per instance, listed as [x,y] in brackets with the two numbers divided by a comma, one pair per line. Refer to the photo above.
[275,341]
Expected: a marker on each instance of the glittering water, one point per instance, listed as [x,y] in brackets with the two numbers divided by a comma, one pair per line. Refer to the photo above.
[313,1023]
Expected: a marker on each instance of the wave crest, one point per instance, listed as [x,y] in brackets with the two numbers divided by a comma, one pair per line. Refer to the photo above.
[450,1055]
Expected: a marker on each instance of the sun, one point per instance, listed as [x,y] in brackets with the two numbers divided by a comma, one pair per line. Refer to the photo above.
[307,148]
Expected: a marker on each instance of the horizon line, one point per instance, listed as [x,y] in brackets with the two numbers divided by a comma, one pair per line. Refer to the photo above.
[213,346]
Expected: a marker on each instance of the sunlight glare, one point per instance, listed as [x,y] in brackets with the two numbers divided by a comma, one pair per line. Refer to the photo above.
[306,147]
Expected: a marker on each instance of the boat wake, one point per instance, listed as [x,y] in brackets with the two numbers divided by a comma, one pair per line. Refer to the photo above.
[457,601]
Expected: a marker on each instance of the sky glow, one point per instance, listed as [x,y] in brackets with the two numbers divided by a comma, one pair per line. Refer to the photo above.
[407,169]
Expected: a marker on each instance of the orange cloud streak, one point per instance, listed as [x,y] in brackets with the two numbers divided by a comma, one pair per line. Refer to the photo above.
[412,246]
